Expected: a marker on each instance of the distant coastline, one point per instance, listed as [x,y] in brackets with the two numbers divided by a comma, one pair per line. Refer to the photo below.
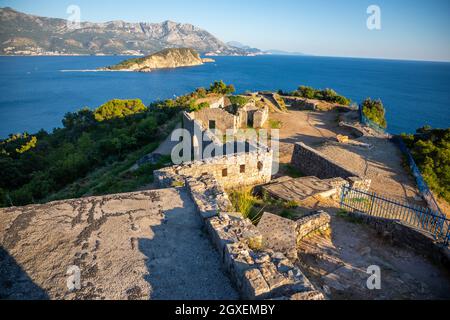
[243,56]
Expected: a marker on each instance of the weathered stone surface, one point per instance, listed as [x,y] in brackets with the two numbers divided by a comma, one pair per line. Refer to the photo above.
[208,195]
[299,189]
[309,295]
[258,169]
[254,286]
[314,163]
[219,235]
[360,184]
[278,233]
[316,222]
[139,245]
[273,277]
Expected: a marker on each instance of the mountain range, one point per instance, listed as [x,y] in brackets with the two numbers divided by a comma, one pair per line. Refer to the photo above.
[25,34]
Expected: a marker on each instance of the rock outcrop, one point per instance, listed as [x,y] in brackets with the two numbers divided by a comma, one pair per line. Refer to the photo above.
[132,246]
[165,59]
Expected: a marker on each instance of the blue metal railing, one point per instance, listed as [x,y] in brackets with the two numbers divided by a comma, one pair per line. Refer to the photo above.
[421,184]
[425,219]
[420,181]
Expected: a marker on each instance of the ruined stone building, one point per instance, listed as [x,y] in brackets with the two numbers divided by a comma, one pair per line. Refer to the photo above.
[206,128]
[222,115]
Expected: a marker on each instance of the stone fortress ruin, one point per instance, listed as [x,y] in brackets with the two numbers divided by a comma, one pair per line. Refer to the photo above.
[223,116]
[261,259]
[143,245]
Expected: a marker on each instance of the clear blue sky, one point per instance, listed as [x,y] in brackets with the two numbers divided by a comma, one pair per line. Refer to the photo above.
[411,29]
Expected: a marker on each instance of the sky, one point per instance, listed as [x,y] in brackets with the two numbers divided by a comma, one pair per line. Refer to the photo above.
[410,29]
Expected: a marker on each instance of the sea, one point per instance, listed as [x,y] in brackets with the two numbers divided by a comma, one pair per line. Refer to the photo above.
[36,92]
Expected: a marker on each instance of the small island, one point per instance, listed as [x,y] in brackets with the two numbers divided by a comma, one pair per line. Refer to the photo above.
[165,59]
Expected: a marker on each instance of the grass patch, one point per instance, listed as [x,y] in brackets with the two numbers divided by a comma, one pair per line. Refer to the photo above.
[291,171]
[275,124]
[344,214]
[253,207]
[178,184]
[244,201]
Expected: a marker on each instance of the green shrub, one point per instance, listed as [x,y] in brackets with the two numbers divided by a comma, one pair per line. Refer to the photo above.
[118,109]
[430,149]
[275,124]
[374,110]
[219,87]
[239,101]
[53,167]
[328,95]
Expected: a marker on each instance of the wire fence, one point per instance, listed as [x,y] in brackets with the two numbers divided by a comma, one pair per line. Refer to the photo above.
[425,219]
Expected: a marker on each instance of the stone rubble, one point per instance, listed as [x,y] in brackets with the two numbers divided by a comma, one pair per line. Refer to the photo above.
[256,271]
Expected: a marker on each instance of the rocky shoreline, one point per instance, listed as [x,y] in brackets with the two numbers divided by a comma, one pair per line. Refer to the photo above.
[165,59]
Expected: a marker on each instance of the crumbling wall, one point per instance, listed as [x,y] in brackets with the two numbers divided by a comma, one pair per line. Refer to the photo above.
[223,120]
[200,138]
[239,169]
[257,272]
[282,234]
[301,103]
[260,117]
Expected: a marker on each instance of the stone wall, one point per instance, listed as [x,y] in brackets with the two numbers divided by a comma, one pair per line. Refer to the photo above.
[260,117]
[319,221]
[301,103]
[223,120]
[283,235]
[257,272]
[313,163]
[239,169]
[243,118]
[200,138]
[402,235]
[220,103]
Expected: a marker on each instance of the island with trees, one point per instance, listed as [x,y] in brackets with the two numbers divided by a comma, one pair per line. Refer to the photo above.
[165,59]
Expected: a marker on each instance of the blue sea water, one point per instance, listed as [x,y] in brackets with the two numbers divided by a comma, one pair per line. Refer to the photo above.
[35,94]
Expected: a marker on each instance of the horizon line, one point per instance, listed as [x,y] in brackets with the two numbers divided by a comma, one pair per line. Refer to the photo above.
[290,53]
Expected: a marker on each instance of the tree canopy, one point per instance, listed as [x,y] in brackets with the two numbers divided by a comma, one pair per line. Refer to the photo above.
[36,167]
[220,87]
[118,109]
[328,95]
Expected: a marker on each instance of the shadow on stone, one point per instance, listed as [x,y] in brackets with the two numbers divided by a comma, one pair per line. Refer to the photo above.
[181,262]
[15,283]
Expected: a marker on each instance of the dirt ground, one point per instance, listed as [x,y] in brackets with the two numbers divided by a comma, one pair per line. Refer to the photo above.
[382,163]
[337,261]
